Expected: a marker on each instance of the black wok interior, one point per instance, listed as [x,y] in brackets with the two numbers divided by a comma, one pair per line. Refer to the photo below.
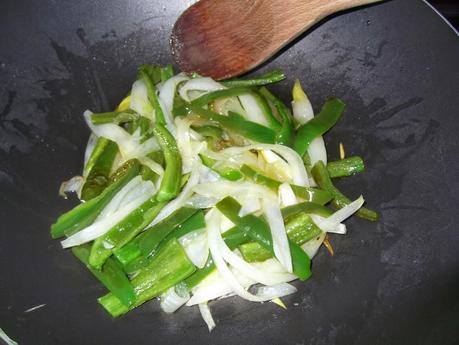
[392,282]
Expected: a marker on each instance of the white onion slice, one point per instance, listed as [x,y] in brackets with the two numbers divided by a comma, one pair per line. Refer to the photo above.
[207,316]
[213,286]
[102,226]
[150,163]
[312,247]
[279,235]
[184,144]
[214,238]
[92,140]
[302,109]
[330,223]
[196,247]
[73,185]
[238,190]
[166,98]
[139,100]
[249,204]
[250,270]
[130,146]
[276,291]
[253,110]
[225,224]
[120,197]
[207,175]
[199,84]
[286,195]
[199,201]
[303,112]
[6,338]
[170,300]
[167,92]
[299,174]
[317,151]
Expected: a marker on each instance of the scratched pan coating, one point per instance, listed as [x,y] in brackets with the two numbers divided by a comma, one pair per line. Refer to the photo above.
[391,282]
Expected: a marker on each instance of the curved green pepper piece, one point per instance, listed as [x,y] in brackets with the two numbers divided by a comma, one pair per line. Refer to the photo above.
[167,268]
[346,167]
[250,130]
[259,231]
[170,184]
[148,78]
[124,231]
[271,77]
[286,132]
[98,176]
[300,229]
[321,123]
[111,275]
[131,256]
[315,195]
[320,174]
[85,213]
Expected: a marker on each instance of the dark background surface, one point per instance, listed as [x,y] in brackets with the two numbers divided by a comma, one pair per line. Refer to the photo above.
[391,282]
[449,9]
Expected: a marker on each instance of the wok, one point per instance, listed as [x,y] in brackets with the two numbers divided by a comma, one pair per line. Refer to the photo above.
[396,281]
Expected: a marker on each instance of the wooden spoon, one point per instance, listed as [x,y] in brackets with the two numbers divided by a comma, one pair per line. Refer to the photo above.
[225,38]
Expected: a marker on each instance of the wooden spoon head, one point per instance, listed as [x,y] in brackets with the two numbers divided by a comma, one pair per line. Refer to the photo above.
[225,38]
[204,39]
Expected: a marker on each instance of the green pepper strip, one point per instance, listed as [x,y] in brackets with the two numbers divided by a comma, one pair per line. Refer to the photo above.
[260,232]
[267,112]
[321,123]
[152,71]
[133,260]
[315,195]
[167,73]
[286,133]
[98,150]
[305,207]
[152,96]
[237,91]
[124,231]
[179,106]
[250,130]
[182,109]
[235,237]
[84,214]
[170,184]
[212,134]
[111,275]
[264,79]
[214,95]
[345,167]
[300,230]
[167,268]
[321,176]
[209,131]
[115,117]
[147,242]
[98,175]
[228,172]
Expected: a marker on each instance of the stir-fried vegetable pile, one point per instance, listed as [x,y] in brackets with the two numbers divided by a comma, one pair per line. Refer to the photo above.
[195,190]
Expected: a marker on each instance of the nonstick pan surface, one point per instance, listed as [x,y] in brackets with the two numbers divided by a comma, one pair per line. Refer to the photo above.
[396,281]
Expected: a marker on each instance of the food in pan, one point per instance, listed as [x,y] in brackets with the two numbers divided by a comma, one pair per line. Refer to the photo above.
[193,190]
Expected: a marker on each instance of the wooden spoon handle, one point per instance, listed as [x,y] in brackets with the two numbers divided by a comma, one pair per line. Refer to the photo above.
[287,19]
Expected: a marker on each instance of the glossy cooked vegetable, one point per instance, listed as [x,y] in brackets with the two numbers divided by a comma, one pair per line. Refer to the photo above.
[196,190]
